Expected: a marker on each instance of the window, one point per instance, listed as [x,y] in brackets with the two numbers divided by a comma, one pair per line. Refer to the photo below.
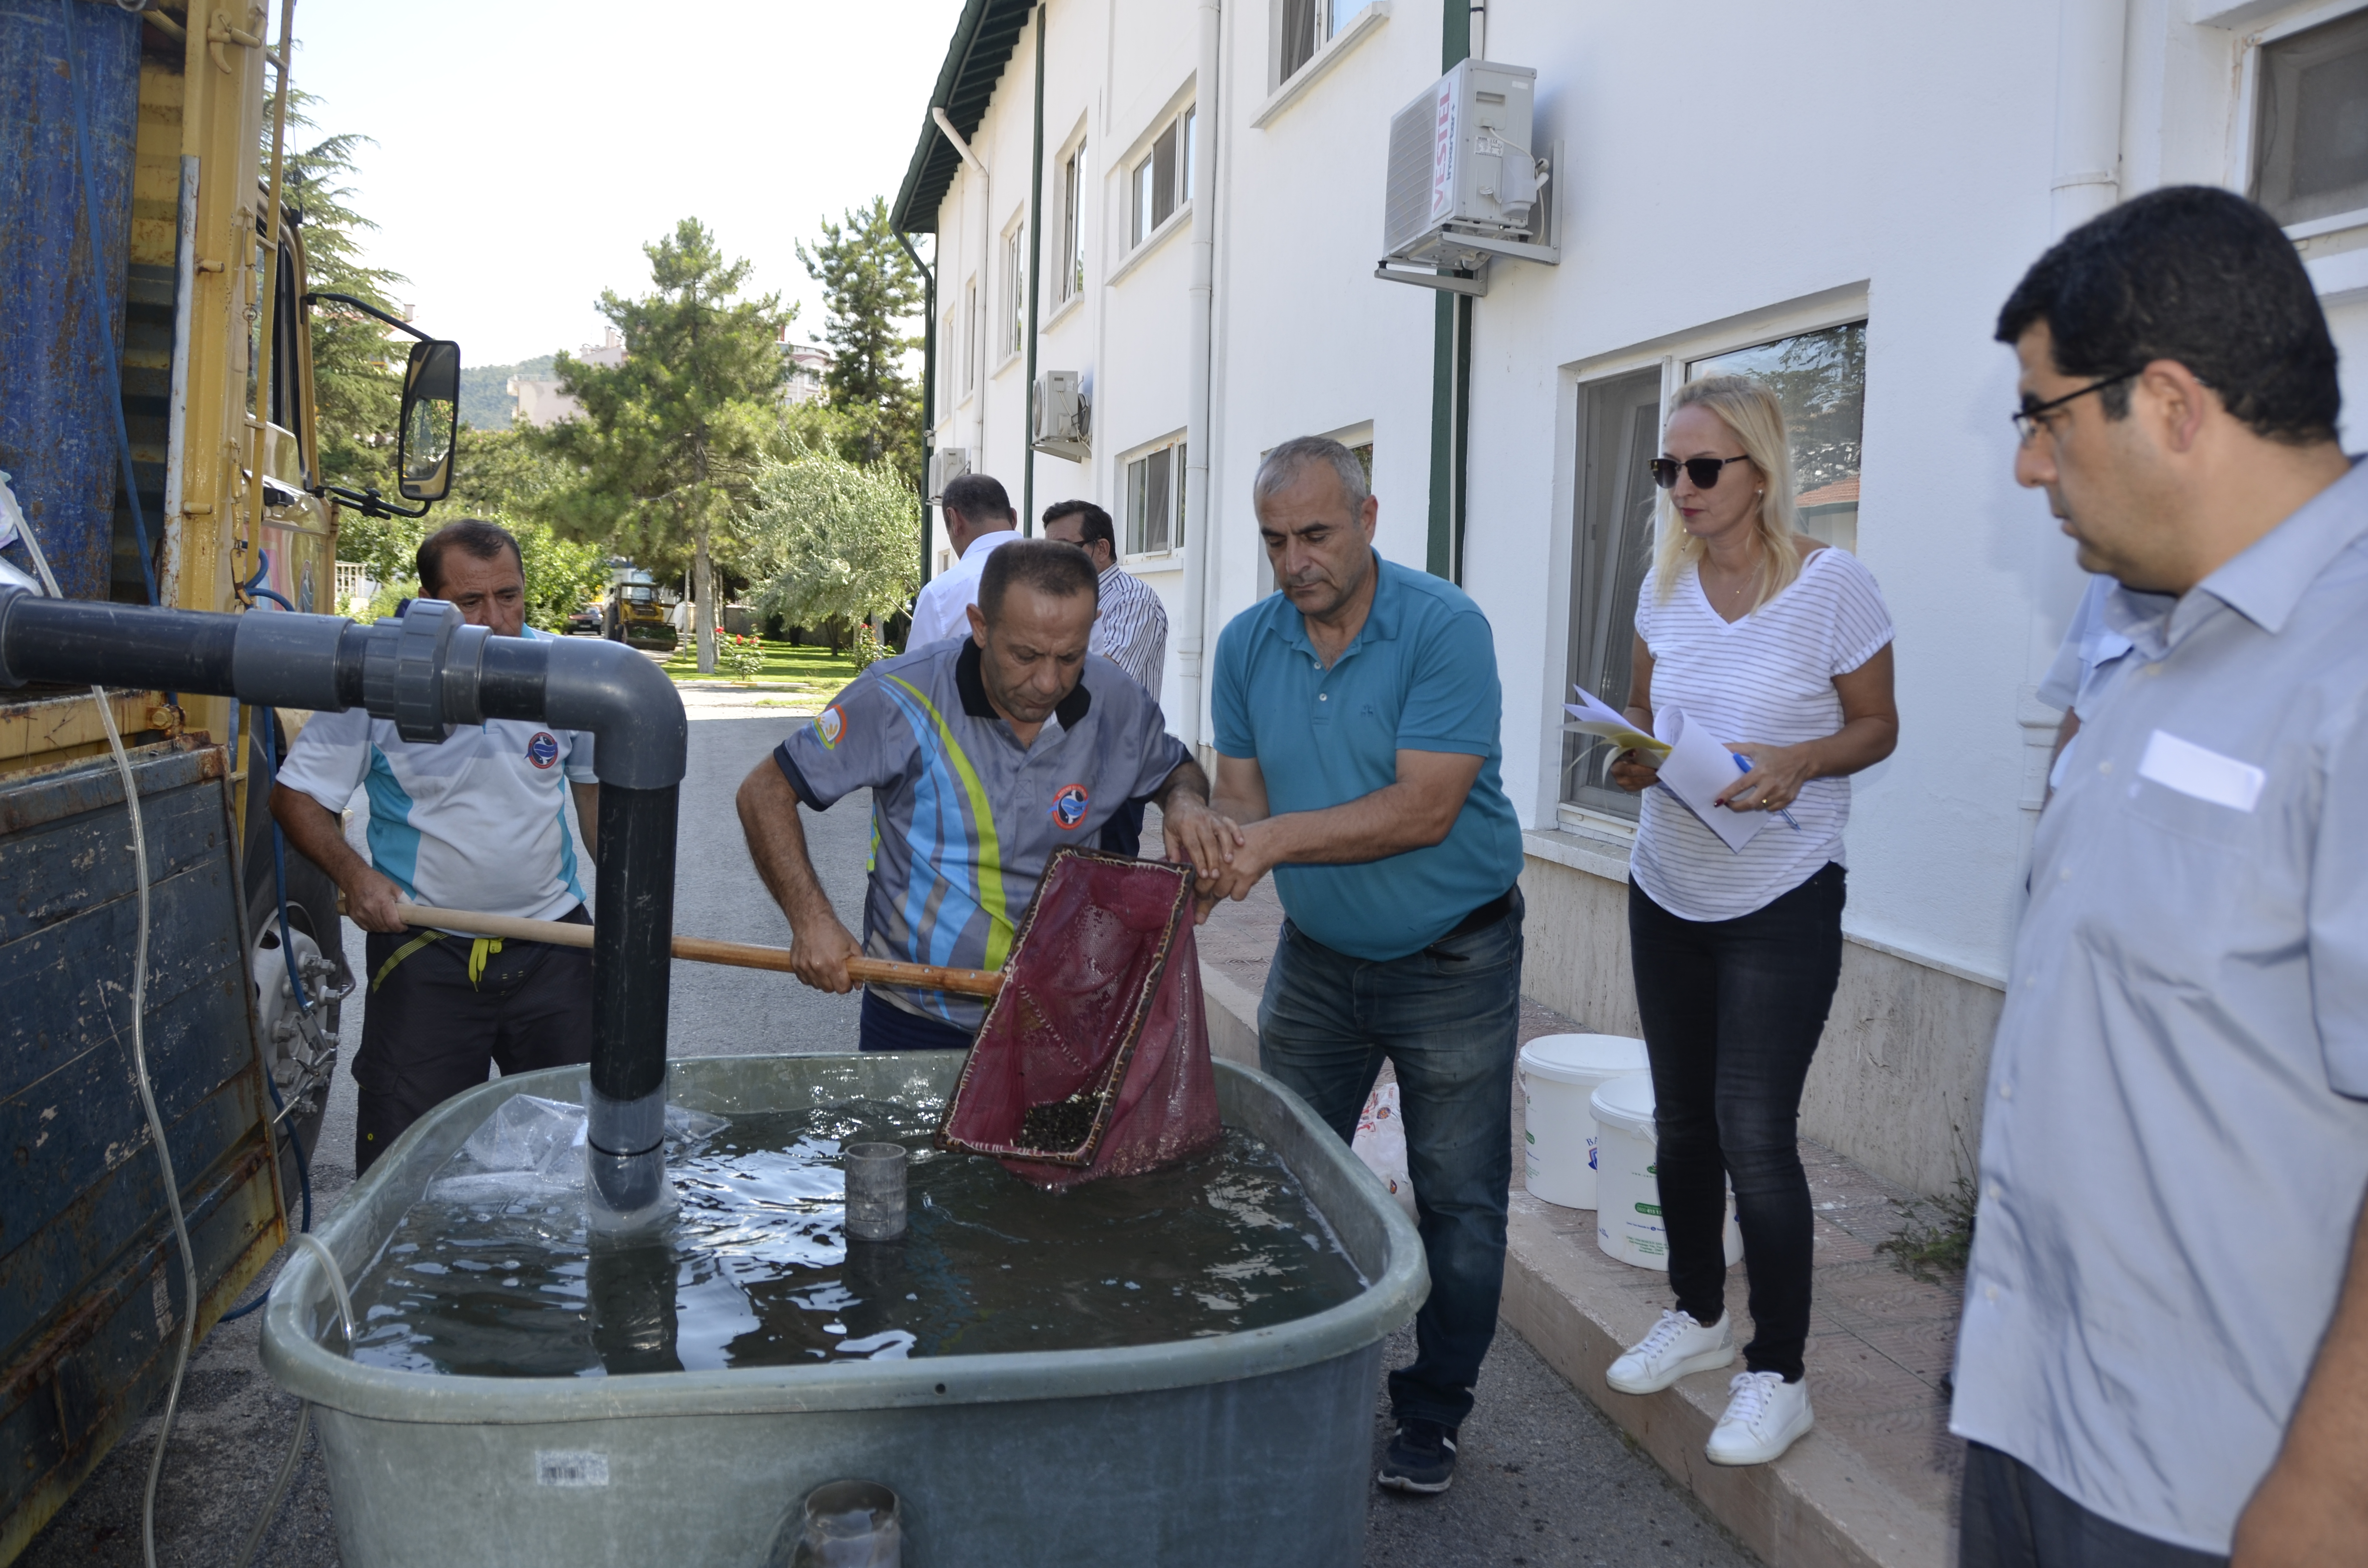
[1014,335]
[1619,432]
[1163,181]
[2310,122]
[949,345]
[1155,501]
[1072,224]
[970,335]
[1308,26]
[1820,380]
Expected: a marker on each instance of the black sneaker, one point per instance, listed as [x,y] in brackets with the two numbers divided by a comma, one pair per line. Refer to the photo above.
[1421,1457]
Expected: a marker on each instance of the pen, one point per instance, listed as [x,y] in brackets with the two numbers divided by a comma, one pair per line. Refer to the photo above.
[1744,763]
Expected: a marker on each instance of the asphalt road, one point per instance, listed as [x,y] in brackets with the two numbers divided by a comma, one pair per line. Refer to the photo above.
[1543,1478]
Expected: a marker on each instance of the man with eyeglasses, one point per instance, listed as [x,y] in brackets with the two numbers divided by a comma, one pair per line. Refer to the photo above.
[2163,1355]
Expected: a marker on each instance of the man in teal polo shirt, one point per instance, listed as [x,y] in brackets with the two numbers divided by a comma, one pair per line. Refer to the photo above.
[1357,715]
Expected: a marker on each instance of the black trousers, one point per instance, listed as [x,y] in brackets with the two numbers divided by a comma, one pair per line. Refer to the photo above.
[2012,1517]
[429,1031]
[1732,1012]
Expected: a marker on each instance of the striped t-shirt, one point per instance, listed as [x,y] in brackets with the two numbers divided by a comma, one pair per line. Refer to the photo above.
[1766,678]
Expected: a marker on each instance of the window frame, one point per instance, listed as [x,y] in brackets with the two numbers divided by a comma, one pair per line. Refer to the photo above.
[1670,355]
[1145,222]
[2243,146]
[1135,543]
[1077,173]
[1011,311]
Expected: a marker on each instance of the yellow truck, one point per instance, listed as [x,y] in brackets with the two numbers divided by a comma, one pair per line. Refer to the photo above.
[156,428]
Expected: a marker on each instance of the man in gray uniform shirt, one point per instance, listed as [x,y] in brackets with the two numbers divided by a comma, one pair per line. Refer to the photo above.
[2164,1357]
[982,758]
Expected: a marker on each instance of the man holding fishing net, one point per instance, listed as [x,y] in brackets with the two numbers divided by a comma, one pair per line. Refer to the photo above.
[982,756]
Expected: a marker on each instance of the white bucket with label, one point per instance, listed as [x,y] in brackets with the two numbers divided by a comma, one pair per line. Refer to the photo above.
[1559,1076]
[1628,1192]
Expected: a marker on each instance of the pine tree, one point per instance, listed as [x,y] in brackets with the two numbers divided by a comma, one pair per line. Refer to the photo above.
[874,291]
[668,441]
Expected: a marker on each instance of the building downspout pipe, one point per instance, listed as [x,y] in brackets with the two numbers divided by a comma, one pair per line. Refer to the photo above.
[2091,36]
[429,672]
[1035,270]
[929,386]
[986,244]
[1200,346]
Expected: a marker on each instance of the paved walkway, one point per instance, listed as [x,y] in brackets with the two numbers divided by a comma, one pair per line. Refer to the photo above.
[1874,1485]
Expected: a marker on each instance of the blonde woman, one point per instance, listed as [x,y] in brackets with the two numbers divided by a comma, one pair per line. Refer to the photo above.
[1780,647]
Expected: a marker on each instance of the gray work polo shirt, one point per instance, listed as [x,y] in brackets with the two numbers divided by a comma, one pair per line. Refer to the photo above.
[2175,1140]
[963,817]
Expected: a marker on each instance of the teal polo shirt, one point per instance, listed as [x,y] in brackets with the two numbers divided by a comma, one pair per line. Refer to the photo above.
[1421,675]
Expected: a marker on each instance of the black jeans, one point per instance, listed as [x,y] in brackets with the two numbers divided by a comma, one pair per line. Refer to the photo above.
[2013,1518]
[1731,1013]
[430,1031]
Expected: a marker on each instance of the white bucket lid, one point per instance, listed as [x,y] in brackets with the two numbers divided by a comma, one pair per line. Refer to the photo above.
[1582,1059]
[1625,1103]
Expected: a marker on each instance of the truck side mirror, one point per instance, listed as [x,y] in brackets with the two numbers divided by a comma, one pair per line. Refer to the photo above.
[431,420]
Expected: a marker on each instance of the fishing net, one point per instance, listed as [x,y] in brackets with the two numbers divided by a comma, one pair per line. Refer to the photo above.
[1094,1058]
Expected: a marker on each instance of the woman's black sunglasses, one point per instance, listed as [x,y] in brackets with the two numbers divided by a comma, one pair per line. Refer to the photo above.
[1703,471]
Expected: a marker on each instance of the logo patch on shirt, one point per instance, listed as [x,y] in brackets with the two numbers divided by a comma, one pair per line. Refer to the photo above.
[543,750]
[1069,805]
[828,725]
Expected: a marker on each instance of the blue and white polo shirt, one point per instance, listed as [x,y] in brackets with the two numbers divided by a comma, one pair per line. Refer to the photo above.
[477,823]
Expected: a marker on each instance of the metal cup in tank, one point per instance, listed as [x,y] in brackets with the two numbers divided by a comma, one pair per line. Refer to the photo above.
[845,1524]
[875,1190]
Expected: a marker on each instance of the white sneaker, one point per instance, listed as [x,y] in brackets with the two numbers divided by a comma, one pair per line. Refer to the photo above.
[1763,1419]
[1677,1345]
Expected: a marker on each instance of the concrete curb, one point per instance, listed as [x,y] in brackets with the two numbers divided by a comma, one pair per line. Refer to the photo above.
[1819,1506]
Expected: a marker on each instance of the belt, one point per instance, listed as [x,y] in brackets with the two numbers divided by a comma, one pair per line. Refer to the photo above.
[1487,914]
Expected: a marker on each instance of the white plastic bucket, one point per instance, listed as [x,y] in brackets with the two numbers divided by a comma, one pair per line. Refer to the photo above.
[1628,1211]
[1559,1076]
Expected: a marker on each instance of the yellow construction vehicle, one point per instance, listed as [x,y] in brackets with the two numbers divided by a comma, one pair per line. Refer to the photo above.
[157,427]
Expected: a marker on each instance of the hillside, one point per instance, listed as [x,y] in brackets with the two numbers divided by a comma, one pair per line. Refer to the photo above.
[485,405]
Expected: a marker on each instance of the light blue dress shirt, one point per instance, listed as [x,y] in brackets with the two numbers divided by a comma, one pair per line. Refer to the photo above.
[2175,1138]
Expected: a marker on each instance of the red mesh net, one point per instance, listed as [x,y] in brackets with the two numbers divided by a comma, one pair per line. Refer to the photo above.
[1094,1058]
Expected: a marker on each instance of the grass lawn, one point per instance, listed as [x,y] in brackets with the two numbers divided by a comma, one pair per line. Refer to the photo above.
[787,667]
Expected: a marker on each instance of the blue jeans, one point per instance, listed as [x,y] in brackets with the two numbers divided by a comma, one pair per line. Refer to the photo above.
[1447,1018]
[1732,1012]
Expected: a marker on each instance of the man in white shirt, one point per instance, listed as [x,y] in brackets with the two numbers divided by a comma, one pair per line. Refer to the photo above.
[477,823]
[979,521]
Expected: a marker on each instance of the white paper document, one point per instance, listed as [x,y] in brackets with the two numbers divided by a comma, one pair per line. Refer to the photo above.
[1697,771]
[1598,719]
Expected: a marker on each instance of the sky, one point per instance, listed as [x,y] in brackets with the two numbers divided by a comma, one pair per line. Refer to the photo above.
[526,152]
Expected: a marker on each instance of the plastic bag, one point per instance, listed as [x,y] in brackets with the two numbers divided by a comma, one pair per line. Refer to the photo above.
[531,1145]
[1381,1143]
[1094,1058]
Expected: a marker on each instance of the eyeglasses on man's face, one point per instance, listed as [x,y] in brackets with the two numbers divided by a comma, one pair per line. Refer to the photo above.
[2031,417]
[1703,471]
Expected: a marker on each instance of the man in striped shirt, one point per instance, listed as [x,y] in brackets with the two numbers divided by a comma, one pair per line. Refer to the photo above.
[1131,629]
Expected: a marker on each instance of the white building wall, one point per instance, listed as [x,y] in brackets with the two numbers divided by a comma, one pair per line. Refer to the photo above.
[1758,171]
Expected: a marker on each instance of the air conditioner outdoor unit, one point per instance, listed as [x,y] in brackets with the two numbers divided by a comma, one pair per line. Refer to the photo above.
[946,465]
[1464,185]
[1064,417]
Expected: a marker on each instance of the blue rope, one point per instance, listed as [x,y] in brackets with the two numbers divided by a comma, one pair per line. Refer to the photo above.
[106,307]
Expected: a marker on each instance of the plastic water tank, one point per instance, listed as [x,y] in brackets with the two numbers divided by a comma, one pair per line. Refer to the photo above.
[1560,1073]
[1628,1189]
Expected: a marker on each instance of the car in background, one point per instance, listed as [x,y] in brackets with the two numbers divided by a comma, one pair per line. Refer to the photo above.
[584,622]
